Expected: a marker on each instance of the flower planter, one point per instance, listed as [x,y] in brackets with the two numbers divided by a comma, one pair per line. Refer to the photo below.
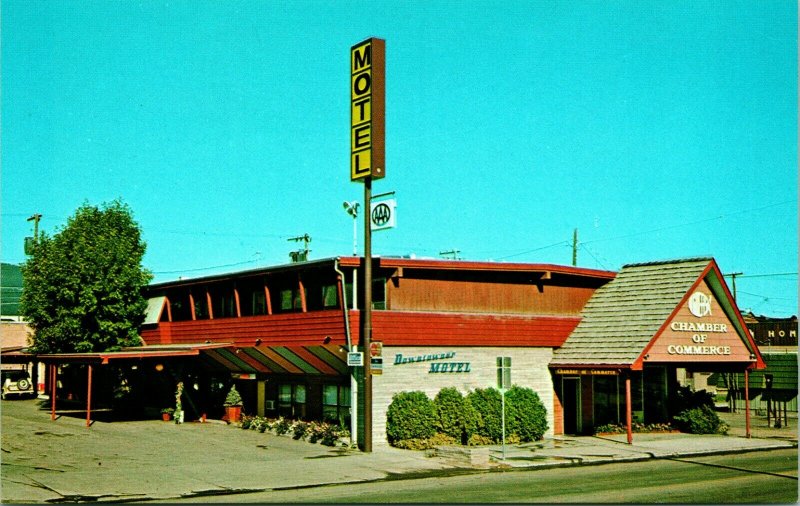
[233,413]
[166,417]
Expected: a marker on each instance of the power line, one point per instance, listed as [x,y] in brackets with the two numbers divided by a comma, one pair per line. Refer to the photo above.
[559,243]
[207,268]
[686,224]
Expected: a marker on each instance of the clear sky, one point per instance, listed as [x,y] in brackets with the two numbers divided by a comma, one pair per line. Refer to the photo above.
[659,130]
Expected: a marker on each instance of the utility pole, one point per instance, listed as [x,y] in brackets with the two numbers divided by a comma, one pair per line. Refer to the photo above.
[302,255]
[575,247]
[733,282]
[31,241]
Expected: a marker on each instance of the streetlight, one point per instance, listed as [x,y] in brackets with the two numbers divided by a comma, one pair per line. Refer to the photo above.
[352,210]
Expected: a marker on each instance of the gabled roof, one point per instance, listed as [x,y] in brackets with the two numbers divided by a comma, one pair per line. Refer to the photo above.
[624,317]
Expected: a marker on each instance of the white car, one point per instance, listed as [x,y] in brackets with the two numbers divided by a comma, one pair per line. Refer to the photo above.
[16,382]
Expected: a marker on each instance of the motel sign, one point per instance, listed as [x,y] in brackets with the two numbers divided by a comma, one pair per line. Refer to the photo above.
[367,104]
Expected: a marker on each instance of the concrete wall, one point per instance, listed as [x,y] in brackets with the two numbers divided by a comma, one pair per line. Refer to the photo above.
[528,369]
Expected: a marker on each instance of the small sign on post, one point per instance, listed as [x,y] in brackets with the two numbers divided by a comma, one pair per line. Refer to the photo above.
[503,373]
[355,359]
[503,383]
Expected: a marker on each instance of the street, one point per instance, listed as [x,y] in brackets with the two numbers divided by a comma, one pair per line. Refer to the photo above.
[750,478]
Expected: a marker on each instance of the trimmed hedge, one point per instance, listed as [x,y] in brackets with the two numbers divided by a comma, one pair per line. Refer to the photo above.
[457,418]
[411,415]
[526,416]
[487,404]
[414,421]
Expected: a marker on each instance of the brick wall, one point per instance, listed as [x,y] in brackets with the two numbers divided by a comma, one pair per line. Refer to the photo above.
[528,369]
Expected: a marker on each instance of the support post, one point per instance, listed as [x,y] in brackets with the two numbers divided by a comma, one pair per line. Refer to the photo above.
[366,332]
[53,372]
[89,397]
[747,403]
[628,408]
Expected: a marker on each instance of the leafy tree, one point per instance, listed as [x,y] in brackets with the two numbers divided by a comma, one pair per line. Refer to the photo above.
[82,287]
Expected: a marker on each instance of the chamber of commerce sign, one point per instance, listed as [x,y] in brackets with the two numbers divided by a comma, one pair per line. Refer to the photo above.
[700,331]
[367,104]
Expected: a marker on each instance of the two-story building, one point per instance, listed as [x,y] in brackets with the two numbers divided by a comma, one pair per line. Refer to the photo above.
[592,344]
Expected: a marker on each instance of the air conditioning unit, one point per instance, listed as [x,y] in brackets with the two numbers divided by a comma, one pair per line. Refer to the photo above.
[270,405]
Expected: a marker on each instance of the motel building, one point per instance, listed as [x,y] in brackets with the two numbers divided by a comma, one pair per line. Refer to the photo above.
[598,347]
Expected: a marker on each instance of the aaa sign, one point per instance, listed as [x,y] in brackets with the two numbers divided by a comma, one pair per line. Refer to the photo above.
[367,119]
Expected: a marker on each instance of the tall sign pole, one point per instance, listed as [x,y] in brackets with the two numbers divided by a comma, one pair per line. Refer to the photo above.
[367,126]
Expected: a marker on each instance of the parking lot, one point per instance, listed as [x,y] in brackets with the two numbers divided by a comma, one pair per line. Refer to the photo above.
[63,460]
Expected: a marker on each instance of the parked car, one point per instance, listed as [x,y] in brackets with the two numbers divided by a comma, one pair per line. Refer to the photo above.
[16,382]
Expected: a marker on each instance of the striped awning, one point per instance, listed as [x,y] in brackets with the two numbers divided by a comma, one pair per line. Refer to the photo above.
[325,360]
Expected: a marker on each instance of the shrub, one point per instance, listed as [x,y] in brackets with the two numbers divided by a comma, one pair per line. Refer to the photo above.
[456,416]
[411,415]
[246,421]
[282,426]
[478,440]
[233,398]
[702,420]
[685,398]
[330,435]
[487,403]
[526,416]
[299,430]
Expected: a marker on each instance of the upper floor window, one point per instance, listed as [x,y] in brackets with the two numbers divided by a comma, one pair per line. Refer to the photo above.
[252,298]
[179,307]
[223,301]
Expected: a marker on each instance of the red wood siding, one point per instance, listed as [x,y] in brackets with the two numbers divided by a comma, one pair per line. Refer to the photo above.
[302,329]
[412,294]
[403,328]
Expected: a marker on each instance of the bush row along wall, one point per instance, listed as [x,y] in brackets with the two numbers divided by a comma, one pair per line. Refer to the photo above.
[529,368]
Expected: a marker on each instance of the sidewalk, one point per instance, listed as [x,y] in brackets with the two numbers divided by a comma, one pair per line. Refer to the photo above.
[63,461]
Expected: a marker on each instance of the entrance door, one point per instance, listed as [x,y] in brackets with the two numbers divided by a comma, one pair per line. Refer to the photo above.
[571,399]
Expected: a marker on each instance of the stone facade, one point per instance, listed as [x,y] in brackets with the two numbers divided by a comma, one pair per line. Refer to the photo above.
[429,369]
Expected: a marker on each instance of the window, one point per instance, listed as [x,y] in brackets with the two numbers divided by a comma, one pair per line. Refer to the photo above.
[292,401]
[179,306]
[290,300]
[223,302]
[379,293]
[252,299]
[321,296]
[336,404]
[200,304]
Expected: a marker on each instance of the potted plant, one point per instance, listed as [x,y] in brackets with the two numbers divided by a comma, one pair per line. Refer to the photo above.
[166,414]
[178,405]
[233,405]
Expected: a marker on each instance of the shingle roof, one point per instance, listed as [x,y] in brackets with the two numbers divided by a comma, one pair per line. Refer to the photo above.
[623,316]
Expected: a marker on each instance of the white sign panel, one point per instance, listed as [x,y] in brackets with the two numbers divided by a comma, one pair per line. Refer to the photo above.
[382,214]
[355,359]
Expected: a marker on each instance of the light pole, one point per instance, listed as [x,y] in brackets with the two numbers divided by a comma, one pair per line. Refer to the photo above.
[352,210]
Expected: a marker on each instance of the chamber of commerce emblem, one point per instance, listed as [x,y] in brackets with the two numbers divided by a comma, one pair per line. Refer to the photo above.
[700,304]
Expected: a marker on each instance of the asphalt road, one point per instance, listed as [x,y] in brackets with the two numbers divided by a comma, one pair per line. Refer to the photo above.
[747,478]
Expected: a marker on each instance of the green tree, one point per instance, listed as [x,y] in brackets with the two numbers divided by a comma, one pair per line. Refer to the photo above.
[82,286]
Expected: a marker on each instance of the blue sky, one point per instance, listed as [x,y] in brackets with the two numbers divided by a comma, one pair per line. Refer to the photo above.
[657,129]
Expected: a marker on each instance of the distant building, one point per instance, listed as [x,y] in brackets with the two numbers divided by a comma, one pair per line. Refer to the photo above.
[772,390]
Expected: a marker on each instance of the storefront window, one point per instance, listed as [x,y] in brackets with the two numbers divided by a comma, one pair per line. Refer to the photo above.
[292,401]
[606,400]
[336,404]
